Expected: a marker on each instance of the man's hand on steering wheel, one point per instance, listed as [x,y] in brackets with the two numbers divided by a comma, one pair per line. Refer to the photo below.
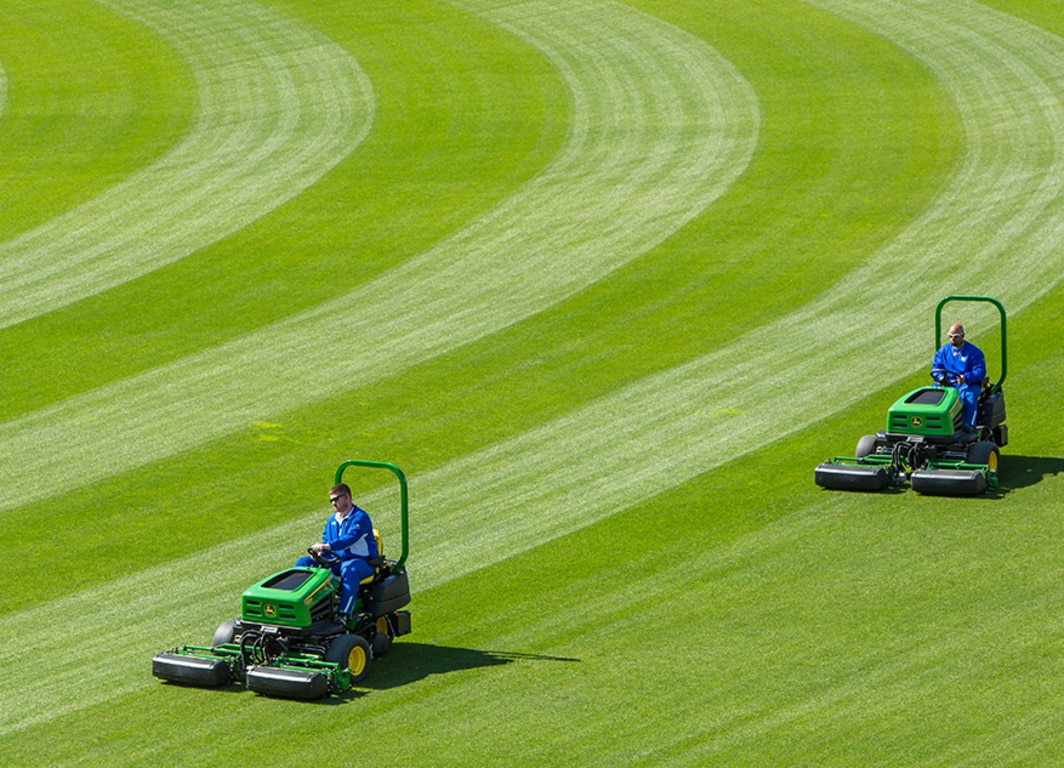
[944,378]
[322,554]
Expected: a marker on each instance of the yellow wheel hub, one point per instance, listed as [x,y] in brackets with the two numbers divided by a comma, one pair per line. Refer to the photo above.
[356,660]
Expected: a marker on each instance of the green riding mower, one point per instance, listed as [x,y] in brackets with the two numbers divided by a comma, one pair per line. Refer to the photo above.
[287,641]
[925,443]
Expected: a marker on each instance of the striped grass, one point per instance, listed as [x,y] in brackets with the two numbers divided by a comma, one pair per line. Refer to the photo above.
[277,107]
[86,98]
[617,545]
[495,272]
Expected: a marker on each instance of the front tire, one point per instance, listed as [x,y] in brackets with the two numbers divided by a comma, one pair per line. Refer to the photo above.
[984,452]
[865,446]
[226,633]
[351,652]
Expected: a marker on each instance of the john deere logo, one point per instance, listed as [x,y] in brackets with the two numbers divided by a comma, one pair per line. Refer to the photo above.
[269,610]
[917,421]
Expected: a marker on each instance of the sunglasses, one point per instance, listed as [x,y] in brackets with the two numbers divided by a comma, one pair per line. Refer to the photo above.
[956,335]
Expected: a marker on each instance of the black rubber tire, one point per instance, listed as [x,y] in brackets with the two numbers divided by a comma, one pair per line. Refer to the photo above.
[351,652]
[865,446]
[984,452]
[382,641]
[381,644]
[225,633]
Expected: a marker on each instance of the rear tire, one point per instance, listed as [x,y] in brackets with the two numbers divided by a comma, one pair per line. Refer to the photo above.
[382,641]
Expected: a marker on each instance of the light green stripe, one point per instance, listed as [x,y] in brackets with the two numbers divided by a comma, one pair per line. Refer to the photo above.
[279,105]
[635,83]
[995,229]
[668,427]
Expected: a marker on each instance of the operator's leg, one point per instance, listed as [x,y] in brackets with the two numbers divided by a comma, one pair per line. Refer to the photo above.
[970,400]
[351,573]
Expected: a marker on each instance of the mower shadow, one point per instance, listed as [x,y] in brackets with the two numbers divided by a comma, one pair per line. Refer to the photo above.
[407,663]
[1025,471]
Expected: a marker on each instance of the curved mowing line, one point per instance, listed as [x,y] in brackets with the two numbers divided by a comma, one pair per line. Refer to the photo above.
[635,84]
[680,423]
[995,229]
[669,427]
[279,105]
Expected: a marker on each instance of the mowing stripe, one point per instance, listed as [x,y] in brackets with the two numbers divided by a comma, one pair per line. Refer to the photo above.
[751,590]
[683,422]
[279,105]
[1004,211]
[634,82]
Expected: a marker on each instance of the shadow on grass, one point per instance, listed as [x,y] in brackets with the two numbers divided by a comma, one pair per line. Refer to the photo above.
[341,698]
[409,662]
[1025,471]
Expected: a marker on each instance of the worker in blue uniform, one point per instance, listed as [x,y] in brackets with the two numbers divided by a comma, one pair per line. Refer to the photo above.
[348,534]
[961,364]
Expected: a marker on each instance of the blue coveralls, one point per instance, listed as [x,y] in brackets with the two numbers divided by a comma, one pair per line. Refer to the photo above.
[352,539]
[969,361]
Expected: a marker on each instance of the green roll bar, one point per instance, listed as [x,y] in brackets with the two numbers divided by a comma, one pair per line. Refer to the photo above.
[1001,310]
[403,515]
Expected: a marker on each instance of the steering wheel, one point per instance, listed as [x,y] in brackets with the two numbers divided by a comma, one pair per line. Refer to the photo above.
[326,559]
[950,376]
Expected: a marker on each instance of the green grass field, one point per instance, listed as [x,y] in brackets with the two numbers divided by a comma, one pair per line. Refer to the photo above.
[607,280]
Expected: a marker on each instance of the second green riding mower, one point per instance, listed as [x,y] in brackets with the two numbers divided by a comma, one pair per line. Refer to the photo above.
[287,642]
[924,443]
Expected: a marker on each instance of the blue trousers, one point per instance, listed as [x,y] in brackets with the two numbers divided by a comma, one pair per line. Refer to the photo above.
[350,572]
[970,400]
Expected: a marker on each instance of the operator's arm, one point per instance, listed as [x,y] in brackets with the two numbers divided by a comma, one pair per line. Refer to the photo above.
[939,363]
[977,367]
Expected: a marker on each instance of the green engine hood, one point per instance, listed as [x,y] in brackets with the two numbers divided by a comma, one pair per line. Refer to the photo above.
[294,598]
[931,411]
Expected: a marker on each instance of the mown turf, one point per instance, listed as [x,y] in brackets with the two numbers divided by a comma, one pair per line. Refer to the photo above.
[619,556]
[83,106]
[320,246]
